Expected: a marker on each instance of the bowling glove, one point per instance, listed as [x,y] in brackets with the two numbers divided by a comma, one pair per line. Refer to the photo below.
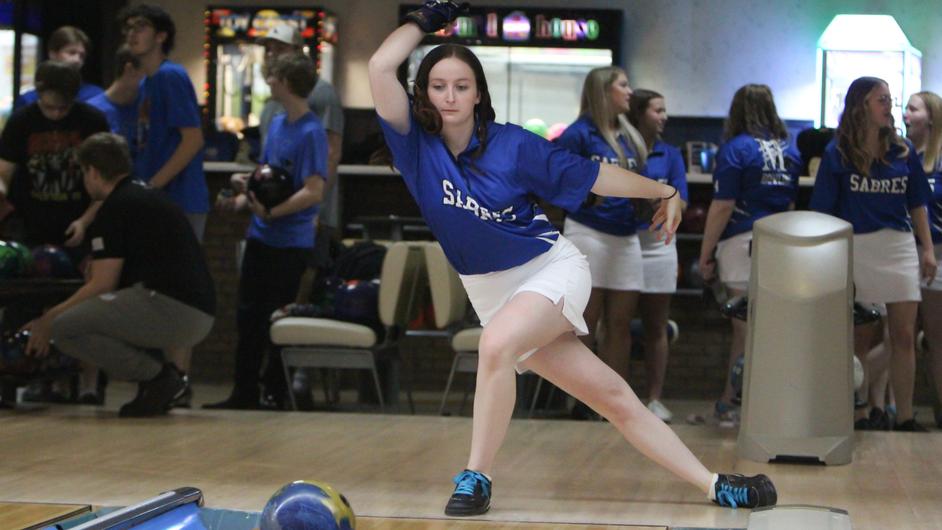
[436,14]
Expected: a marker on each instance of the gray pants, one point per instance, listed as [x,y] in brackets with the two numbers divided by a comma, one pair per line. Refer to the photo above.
[119,331]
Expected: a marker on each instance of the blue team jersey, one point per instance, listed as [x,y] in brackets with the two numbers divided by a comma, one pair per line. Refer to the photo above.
[86,92]
[935,202]
[882,200]
[122,119]
[168,103]
[301,148]
[482,209]
[760,174]
[666,165]
[610,215]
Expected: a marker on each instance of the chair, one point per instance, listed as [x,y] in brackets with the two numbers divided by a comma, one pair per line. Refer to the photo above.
[327,343]
[451,304]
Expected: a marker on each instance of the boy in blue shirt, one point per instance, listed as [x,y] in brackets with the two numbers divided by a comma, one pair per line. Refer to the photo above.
[279,238]
[169,134]
[119,103]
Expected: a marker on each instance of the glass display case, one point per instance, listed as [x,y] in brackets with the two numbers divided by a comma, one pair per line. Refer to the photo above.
[235,90]
[853,46]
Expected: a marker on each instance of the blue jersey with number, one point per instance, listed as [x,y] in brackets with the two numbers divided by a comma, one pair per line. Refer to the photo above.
[935,202]
[610,215]
[482,210]
[760,174]
[882,200]
[666,165]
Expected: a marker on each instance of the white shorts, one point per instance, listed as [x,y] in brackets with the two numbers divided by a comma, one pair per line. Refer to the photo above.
[936,284]
[615,261]
[561,273]
[734,262]
[886,267]
[659,263]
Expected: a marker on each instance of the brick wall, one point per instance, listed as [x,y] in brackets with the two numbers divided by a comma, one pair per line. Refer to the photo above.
[696,367]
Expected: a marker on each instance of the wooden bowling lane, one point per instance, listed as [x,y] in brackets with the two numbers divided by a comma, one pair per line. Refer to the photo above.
[30,515]
[384,523]
[399,466]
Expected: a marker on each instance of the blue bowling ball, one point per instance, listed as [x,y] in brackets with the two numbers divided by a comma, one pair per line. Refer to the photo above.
[50,261]
[304,505]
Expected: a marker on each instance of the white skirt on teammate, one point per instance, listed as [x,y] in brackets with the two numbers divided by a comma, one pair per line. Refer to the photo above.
[659,263]
[561,273]
[615,261]
[886,267]
[936,284]
[734,261]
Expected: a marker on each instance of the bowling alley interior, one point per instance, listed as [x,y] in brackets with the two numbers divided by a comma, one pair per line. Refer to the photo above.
[247,280]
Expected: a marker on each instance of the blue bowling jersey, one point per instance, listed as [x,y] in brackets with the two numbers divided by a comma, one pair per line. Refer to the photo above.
[482,209]
[666,165]
[611,215]
[168,103]
[882,200]
[301,148]
[122,119]
[760,174]
[935,201]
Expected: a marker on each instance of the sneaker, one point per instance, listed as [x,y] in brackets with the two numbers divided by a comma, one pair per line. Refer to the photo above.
[726,414]
[739,491]
[879,420]
[154,397]
[184,399]
[472,494]
[659,410]
[863,424]
[910,425]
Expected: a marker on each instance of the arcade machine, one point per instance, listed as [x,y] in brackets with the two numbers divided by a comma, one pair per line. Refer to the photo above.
[535,59]
[235,89]
[30,52]
[857,45]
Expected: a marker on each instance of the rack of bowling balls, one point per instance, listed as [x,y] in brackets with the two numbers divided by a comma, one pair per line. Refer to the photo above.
[30,281]
[298,505]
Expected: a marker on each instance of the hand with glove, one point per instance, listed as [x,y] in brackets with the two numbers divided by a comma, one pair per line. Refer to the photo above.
[436,14]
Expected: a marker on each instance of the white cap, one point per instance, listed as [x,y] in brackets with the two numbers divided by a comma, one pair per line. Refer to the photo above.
[285,33]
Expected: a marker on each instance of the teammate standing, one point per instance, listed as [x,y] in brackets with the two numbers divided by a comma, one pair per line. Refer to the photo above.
[756,175]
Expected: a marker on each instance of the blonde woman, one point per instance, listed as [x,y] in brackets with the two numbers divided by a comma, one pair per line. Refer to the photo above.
[873,179]
[604,228]
[923,118]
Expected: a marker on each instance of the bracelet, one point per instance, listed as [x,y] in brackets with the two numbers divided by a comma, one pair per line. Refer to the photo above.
[671,196]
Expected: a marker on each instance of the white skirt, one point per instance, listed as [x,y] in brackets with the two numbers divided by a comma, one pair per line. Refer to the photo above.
[559,273]
[615,261]
[734,261]
[886,267]
[659,263]
[936,284]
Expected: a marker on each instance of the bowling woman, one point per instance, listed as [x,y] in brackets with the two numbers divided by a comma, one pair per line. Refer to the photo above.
[756,175]
[474,180]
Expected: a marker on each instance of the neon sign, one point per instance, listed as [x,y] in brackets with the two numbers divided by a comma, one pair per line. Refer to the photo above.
[516,26]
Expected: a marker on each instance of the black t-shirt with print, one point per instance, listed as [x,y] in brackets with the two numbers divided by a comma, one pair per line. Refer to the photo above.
[156,242]
[47,189]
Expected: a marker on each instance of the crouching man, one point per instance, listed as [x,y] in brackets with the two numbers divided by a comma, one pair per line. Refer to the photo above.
[149,290]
